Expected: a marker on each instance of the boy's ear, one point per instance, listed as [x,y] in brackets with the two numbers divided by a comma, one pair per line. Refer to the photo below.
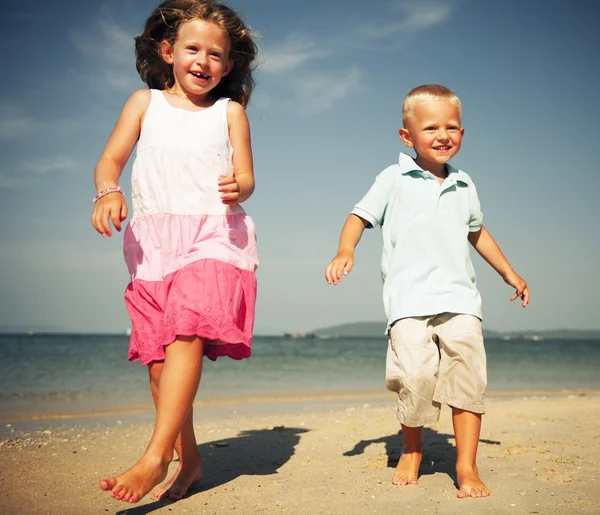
[166,51]
[405,137]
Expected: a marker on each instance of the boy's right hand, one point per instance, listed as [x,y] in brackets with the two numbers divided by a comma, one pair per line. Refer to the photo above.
[110,207]
[340,265]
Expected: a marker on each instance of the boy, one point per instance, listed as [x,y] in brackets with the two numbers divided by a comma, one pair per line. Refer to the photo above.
[429,212]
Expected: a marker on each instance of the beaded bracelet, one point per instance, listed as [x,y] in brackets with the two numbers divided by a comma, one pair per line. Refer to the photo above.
[106,191]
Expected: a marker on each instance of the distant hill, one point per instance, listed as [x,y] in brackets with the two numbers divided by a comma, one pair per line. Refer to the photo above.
[377,329]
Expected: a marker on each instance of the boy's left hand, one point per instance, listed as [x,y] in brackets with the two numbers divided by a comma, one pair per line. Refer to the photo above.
[520,286]
[229,189]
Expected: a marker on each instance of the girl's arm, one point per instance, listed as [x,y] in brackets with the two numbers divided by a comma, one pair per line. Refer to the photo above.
[344,261]
[240,187]
[112,161]
[489,250]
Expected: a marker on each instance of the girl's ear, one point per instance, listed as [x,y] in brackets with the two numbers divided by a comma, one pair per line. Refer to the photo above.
[405,137]
[166,51]
[228,67]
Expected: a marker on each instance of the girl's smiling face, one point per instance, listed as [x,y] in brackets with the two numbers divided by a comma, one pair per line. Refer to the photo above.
[200,58]
[433,129]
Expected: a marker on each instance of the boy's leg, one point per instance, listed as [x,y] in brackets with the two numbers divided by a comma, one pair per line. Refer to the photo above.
[178,385]
[461,384]
[467,427]
[407,470]
[189,470]
[411,370]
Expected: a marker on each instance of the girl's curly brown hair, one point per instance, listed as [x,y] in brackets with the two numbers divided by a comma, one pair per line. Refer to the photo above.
[163,25]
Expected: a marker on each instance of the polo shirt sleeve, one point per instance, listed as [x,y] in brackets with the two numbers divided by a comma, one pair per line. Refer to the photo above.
[475,214]
[373,205]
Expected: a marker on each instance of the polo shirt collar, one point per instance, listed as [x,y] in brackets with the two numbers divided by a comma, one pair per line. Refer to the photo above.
[408,165]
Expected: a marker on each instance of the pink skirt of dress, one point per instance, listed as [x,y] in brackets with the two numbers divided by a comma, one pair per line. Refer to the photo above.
[191,276]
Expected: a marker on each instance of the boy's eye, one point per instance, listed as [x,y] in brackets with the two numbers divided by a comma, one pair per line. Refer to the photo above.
[216,54]
[430,128]
[193,48]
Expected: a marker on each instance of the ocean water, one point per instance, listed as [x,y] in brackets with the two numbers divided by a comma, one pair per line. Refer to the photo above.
[61,374]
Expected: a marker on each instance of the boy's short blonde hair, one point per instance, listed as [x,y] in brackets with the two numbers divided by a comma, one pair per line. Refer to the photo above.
[429,92]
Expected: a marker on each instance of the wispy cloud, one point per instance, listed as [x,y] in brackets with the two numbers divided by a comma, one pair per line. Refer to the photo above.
[292,53]
[106,41]
[109,48]
[13,123]
[8,182]
[412,17]
[319,92]
[60,255]
[50,164]
[23,174]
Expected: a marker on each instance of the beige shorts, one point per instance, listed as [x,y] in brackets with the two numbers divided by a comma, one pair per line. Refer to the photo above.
[436,360]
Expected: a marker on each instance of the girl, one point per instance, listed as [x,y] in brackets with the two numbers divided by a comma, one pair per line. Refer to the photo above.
[190,248]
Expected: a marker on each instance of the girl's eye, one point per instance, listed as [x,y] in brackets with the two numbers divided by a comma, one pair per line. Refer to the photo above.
[429,129]
[192,48]
[216,54]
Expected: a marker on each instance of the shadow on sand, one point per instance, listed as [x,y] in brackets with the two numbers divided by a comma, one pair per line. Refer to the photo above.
[256,452]
[439,455]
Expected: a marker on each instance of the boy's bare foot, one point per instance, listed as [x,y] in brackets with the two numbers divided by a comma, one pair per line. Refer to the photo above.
[407,470]
[469,484]
[184,478]
[136,482]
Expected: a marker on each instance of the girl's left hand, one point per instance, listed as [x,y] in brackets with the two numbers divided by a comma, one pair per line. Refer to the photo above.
[229,189]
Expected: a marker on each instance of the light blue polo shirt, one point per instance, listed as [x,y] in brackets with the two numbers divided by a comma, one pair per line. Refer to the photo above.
[426,263]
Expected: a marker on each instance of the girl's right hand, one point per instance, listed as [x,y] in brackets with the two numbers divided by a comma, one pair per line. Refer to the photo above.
[340,265]
[110,207]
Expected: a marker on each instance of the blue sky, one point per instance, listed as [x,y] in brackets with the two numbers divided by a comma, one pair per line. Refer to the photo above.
[324,118]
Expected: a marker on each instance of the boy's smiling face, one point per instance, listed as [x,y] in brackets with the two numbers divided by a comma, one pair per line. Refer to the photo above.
[433,128]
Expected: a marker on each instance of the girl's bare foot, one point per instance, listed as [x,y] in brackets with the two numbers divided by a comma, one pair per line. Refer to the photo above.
[186,476]
[407,470]
[136,482]
[469,484]
[162,488]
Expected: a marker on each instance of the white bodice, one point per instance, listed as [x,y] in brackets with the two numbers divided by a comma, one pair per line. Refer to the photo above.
[180,155]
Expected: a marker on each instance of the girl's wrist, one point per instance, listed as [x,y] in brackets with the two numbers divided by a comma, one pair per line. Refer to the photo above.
[107,191]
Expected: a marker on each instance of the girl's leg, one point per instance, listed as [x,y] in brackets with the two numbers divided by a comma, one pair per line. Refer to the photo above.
[467,428]
[189,471]
[407,470]
[178,385]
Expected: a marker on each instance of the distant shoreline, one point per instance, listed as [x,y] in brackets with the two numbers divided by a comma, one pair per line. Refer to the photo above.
[282,402]
[354,330]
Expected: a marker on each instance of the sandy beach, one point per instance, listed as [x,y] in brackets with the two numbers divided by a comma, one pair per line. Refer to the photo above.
[323,454]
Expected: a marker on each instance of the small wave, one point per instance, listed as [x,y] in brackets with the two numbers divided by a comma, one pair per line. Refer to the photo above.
[50,396]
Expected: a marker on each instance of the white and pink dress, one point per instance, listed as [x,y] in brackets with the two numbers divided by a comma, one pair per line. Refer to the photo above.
[191,258]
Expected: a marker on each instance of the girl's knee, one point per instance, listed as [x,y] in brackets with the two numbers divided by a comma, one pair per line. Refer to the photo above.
[154,373]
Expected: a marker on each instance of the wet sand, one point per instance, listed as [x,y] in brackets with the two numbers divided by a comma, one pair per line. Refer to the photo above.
[322,454]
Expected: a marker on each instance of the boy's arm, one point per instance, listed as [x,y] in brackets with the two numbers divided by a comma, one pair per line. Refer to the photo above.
[489,250]
[344,261]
